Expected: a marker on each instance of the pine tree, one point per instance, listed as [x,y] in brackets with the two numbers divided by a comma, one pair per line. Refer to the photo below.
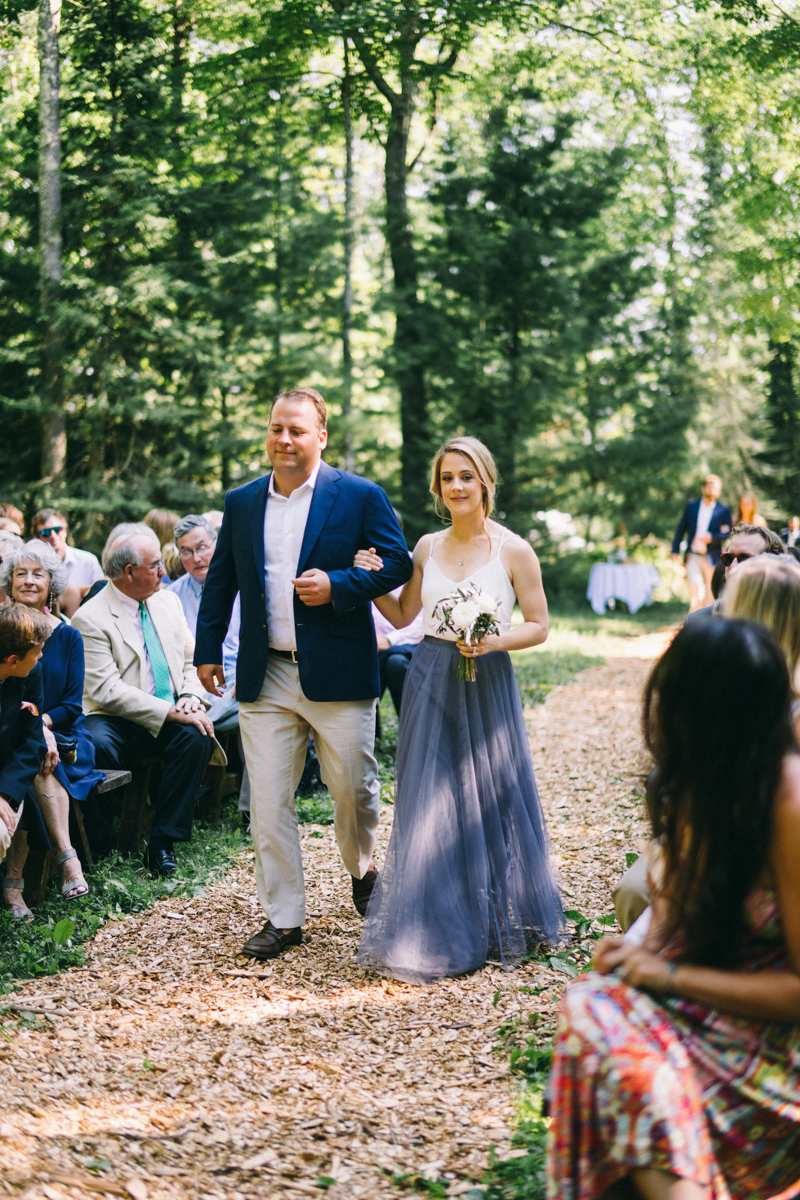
[779,461]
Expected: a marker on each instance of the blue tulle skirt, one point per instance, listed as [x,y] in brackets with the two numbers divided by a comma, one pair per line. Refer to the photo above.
[468,874]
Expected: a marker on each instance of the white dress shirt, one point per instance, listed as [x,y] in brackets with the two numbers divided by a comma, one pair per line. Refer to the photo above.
[704,515]
[284,526]
[83,567]
[131,607]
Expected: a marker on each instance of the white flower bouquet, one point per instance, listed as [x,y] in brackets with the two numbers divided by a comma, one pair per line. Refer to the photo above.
[469,613]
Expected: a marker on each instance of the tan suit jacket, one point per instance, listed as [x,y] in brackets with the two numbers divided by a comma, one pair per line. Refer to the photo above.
[116,661]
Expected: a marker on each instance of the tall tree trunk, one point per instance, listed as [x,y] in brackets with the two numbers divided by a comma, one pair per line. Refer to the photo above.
[408,336]
[54,434]
[348,243]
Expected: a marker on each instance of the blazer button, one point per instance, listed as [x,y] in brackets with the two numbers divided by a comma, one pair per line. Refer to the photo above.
[264,628]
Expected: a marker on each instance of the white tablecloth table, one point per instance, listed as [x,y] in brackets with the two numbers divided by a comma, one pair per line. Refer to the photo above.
[631,582]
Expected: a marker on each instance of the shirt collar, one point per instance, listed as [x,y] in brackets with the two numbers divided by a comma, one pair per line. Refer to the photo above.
[309,483]
[196,587]
[130,605]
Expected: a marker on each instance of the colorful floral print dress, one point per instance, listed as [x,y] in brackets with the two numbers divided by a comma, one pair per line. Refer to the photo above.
[670,1084]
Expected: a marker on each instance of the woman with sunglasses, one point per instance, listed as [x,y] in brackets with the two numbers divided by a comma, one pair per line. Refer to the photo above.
[34,575]
[676,1071]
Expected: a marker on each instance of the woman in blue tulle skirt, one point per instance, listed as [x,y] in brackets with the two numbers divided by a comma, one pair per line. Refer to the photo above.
[468,874]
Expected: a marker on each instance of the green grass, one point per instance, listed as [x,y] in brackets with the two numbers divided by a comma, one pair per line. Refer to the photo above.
[579,618]
[539,671]
[118,886]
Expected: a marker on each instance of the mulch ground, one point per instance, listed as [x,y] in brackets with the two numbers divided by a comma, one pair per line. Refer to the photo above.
[172,1067]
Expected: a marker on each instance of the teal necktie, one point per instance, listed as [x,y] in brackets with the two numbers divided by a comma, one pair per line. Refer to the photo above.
[155,653]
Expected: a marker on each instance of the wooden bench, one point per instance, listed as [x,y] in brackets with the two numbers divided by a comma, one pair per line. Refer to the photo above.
[40,864]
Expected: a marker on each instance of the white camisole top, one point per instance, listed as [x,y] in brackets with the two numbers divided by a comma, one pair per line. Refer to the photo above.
[492,577]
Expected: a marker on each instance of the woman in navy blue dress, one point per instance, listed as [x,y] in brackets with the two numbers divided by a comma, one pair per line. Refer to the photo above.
[33,576]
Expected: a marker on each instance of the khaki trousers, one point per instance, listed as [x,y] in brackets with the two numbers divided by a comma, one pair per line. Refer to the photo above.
[631,896]
[274,731]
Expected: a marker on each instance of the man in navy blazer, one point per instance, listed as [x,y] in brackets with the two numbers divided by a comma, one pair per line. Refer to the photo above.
[705,524]
[308,658]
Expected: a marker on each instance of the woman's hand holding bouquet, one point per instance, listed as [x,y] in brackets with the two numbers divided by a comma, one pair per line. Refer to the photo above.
[469,613]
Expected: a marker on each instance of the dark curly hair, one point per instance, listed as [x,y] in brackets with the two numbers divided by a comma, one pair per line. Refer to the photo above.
[717,721]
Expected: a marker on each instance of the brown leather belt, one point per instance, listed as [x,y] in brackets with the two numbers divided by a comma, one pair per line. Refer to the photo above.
[290,655]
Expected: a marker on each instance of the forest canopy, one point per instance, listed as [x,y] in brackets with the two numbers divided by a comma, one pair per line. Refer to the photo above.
[568,229]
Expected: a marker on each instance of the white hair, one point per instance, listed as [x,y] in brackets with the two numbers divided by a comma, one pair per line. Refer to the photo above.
[43,554]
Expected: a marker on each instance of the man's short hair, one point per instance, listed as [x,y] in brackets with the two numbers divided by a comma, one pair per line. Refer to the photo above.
[21,629]
[47,516]
[131,527]
[312,396]
[773,543]
[125,555]
[193,521]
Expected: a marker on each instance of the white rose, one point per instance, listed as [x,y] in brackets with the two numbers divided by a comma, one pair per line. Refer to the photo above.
[486,603]
[464,614]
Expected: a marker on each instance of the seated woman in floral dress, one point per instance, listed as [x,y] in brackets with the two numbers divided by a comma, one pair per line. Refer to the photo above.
[676,1073]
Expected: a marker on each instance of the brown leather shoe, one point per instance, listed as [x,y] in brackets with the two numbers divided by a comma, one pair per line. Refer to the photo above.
[270,942]
[362,890]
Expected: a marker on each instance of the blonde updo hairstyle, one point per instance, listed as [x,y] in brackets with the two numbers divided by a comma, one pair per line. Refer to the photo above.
[483,464]
[767,589]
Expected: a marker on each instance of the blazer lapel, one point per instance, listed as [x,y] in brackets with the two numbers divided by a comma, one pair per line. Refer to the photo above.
[326,490]
[126,626]
[258,511]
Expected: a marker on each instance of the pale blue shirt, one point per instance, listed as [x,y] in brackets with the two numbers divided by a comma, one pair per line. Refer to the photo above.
[190,592]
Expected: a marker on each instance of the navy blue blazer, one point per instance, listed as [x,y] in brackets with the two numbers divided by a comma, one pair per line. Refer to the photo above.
[22,745]
[336,648]
[719,527]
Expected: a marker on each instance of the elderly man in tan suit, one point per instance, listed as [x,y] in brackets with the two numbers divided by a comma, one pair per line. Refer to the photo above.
[141,691]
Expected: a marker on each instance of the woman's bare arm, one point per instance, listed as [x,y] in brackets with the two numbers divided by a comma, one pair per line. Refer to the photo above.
[763,995]
[399,610]
[526,579]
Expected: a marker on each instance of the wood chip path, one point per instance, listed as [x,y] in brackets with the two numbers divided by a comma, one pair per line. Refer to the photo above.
[174,1068]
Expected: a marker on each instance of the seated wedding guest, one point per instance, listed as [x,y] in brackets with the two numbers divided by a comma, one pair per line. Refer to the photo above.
[49,525]
[764,589]
[8,543]
[125,527]
[791,534]
[9,512]
[395,648]
[745,542]
[676,1069]
[214,517]
[141,692]
[162,522]
[173,564]
[23,752]
[196,541]
[34,576]
[748,513]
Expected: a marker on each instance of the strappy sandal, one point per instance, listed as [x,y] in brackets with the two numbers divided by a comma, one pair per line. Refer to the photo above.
[72,884]
[19,912]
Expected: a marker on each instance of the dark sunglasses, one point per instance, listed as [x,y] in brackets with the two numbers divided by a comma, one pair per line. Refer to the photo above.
[45,533]
[727,559]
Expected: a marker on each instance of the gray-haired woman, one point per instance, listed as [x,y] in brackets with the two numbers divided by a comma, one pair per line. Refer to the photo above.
[35,575]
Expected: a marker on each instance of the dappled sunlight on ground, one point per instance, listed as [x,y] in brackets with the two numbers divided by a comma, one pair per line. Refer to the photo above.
[171,1066]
